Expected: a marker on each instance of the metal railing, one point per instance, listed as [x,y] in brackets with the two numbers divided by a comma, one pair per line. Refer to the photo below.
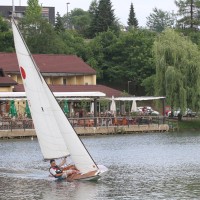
[13,124]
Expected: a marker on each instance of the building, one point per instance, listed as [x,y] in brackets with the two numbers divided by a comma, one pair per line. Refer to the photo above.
[47,12]
[63,73]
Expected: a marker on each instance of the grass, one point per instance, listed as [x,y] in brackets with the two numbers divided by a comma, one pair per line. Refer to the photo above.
[189,124]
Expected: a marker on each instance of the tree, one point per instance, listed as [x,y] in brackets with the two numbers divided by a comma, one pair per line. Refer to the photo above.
[124,57]
[132,21]
[177,70]
[189,10]
[131,59]
[80,20]
[59,25]
[30,24]
[45,41]
[6,38]
[104,18]
[100,52]
[33,12]
[159,20]
[93,8]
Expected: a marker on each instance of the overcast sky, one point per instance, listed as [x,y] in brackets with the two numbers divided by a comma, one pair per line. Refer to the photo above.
[142,7]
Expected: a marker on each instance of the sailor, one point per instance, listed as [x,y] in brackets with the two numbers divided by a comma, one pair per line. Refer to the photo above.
[59,172]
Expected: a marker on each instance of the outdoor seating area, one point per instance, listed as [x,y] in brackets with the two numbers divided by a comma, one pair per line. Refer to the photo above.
[8,123]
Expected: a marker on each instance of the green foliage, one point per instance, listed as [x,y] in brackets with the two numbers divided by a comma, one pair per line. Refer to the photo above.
[45,40]
[59,25]
[132,21]
[101,52]
[189,125]
[6,38]
[74,44]
[131,57]
[177,70]
[124,57]
[79,20]
[148,84]
[189,11]
[159,20]
[33,12]
[104,18]
[93,8]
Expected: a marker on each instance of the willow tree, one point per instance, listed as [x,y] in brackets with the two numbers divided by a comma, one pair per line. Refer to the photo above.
[177,62]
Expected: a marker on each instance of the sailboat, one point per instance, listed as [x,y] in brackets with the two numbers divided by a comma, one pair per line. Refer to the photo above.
[56,137]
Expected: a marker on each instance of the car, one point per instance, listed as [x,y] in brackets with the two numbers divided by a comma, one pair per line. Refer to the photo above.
[187,113]
[147,110]
[190,113]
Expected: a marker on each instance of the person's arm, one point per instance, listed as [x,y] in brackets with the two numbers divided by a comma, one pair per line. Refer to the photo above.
[58,175]
[54,173]
[62,162]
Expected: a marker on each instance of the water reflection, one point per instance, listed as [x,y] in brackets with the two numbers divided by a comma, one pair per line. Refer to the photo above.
[142,166]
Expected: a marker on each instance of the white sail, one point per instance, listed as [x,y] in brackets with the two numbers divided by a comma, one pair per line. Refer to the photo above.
[56,136]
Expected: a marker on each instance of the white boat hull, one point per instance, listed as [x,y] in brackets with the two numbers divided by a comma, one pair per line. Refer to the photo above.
[90,176]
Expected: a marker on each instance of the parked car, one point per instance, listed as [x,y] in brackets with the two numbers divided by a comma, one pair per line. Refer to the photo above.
[187,113]
[147,110]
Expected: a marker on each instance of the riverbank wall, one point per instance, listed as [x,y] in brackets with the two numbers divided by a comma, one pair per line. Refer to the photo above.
[84,131]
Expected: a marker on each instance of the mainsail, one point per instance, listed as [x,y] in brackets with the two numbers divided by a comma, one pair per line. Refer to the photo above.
[56,136]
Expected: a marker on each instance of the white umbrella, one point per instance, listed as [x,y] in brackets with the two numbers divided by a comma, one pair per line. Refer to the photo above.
[113,106]
[92,107]
[134,106]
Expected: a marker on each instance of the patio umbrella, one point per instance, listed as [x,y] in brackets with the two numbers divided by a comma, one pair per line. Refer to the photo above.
[27,110]
[113,106]
[66,108]
[92,107]
[13,110]
[134,106]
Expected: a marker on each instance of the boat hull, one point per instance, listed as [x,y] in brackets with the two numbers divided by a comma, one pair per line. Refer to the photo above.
[90,176]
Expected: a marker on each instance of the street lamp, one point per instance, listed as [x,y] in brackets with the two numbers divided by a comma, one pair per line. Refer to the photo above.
[67,8]
[67,15]
[128,85]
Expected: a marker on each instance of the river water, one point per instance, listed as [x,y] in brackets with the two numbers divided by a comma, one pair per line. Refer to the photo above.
[141,166]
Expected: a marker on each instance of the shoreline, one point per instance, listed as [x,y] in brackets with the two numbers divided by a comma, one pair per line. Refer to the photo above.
[84,131]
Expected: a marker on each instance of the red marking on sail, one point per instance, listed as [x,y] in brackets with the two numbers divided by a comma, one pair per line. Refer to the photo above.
[23,73]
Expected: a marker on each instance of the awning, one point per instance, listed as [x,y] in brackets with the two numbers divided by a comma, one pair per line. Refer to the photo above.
[137,98]
[68,95]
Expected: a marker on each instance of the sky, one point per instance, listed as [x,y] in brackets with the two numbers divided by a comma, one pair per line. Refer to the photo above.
[142,8]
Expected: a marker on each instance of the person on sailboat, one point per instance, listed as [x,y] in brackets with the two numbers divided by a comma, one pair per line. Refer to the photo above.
[58,172]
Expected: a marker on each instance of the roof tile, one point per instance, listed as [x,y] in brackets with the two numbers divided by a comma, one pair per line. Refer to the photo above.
[48,63]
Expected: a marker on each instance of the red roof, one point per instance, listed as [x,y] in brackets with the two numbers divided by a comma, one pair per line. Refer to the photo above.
[48,63]
[79,88]
[7,81]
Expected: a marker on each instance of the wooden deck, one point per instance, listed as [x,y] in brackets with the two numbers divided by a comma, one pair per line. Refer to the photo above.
[21,133]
